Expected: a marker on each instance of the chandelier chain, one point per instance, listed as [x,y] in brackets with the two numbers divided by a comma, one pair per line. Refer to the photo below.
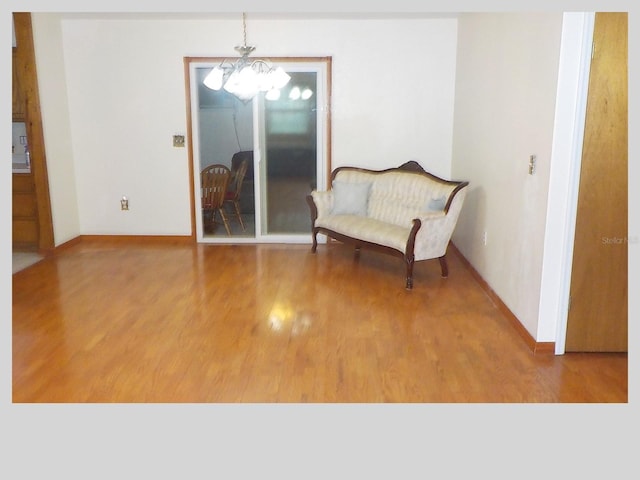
[244,28]
[245,78]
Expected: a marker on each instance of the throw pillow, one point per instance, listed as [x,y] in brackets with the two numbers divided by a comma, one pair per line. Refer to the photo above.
[437,204]
[350,198]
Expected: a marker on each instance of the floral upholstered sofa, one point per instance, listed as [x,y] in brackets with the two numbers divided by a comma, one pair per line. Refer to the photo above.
[403,211]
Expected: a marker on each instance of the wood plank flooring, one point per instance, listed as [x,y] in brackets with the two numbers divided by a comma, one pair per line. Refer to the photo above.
[107,321]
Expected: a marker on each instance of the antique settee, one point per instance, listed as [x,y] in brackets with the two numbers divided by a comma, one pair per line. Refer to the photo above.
[403,211]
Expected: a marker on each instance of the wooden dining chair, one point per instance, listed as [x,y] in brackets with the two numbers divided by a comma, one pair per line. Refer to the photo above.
[214,181]
[235,189]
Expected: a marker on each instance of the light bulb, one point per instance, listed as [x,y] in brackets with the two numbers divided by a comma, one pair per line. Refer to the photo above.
[214,79]
[294,94]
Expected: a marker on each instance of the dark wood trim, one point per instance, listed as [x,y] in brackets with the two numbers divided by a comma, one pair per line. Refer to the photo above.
[411,167]
[536,347]
[443,266]
[312,208]
[409,257]
[26,62]
[460,186]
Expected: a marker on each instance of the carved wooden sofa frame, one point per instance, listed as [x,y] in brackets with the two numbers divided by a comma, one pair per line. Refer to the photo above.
[455,192]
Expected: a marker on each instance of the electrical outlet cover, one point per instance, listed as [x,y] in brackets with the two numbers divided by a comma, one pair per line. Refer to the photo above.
[178,140]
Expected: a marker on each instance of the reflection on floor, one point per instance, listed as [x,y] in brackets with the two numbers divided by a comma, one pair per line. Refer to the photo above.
[287,209]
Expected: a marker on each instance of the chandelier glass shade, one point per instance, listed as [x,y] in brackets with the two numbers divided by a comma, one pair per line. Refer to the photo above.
[246,77]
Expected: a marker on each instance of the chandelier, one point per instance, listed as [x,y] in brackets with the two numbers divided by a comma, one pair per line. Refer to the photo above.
[246,77]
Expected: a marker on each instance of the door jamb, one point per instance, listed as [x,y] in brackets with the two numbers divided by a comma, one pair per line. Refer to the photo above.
[564,179]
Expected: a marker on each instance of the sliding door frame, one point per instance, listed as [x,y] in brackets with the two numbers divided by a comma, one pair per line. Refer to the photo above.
[192,138]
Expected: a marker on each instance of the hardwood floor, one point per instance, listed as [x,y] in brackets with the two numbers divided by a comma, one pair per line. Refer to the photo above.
[109,321]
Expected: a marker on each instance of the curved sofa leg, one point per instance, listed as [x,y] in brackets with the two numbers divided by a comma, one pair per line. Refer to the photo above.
[409,262]
[314,233]
[443,266]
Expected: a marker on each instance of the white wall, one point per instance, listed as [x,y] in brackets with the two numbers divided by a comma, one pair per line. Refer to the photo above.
[47,38]
[393,86]
[507,73]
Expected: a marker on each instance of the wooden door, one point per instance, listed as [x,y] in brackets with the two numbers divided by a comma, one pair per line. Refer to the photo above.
[25,63]
[597,320]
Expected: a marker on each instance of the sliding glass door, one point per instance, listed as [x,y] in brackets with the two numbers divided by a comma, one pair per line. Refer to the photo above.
[290,166]
[282,135]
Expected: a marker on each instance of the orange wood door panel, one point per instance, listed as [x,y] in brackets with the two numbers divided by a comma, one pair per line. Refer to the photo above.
[598,314]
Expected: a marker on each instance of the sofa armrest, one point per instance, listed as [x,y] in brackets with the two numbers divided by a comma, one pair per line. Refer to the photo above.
[434,235]
[323,201]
